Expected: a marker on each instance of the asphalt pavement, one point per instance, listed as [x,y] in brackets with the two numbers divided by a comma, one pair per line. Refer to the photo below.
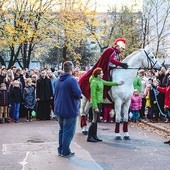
[33,145]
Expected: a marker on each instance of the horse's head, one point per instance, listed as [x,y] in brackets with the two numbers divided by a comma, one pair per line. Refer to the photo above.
[151,61]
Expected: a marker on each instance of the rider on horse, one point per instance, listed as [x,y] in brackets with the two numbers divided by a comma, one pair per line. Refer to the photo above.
[109,59]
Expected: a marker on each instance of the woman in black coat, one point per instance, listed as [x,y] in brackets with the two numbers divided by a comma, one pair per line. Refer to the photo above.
[44,94]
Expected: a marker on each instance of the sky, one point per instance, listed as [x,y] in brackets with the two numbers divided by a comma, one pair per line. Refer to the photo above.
[103,5]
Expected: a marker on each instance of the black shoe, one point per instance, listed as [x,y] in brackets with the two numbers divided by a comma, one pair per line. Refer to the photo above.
[1,120]
[16,121]
[91,139]
[167,142]
[7,120]
[68,156]
[96,138]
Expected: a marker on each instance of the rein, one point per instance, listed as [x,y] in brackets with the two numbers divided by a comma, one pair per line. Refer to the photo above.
[150,62]
[160,111]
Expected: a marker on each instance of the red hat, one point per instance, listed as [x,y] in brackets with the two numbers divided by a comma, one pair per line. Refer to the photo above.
[120,42]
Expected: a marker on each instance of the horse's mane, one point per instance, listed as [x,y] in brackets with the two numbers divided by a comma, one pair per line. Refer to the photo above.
[129,57]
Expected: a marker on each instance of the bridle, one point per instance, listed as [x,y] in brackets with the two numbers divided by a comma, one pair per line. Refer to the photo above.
[149,60]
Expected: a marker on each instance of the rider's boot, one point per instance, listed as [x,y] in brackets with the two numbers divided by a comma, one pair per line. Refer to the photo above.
[111,72]
[95,133]
[90,133]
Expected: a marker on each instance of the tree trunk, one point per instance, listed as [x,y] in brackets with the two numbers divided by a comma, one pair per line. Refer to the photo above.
[14,56]
[19,63]
[11,61]
[64,53]
[2,61]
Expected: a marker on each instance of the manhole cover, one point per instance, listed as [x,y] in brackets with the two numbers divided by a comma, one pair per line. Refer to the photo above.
[35,141]
[105,128]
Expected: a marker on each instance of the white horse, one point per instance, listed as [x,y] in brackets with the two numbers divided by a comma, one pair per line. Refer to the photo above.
[121,95]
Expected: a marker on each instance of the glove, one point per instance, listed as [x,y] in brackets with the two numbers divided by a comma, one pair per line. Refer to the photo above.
[124,65]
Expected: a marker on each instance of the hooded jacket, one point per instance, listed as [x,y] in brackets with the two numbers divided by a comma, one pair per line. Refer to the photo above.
[67,96]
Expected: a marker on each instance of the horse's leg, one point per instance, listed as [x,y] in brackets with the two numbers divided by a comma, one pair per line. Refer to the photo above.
[117,118]
[82,114]
[125,110]
[84,109]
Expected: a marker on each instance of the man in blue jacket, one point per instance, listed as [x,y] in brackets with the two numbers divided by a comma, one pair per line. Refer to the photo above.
[66,106]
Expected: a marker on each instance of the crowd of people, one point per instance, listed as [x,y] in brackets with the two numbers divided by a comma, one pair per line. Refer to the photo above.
[24,91]
[153,88]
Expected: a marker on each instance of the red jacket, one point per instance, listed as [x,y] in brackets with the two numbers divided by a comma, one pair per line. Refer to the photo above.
[108,55]
[166,91]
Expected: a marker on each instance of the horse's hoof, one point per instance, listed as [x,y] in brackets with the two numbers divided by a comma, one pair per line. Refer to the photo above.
[126,138]
[84,132]
[118,138]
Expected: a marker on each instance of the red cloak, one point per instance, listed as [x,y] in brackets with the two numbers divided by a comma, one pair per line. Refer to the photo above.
[103,63]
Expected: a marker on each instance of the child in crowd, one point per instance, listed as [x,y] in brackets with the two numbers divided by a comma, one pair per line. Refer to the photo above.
[4,102]
[9,78]
[136,104]
[154,100]
[148,102]
[29,98]
[15,100]
[34,78]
